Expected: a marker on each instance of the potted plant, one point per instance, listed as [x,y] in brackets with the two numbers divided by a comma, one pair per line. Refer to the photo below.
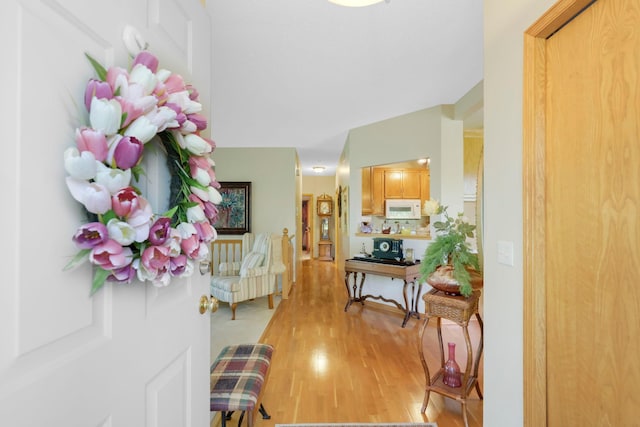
[448,263]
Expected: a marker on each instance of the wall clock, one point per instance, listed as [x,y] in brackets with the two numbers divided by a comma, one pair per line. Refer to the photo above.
[325,205]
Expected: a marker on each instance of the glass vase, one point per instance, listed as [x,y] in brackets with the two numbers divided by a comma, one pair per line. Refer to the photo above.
[452,376]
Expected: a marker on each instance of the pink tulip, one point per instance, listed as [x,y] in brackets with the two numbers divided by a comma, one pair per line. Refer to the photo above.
[94,141]
[90,235]
[191,246]
[122,275]
[180,116]
[199,120]
[193,92]
[201,170]
[95,197]
[117,78]
[147,59]
[174,83]
[124,202]
[111,255]
[140,219]
[206,232]
[128,152]
[211,212]
[178,265]
[156,259]
[159,232]
[97,88]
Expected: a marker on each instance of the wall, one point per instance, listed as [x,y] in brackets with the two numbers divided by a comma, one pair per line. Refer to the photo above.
[318,185]
[429,133]
[504,25]
[273,187]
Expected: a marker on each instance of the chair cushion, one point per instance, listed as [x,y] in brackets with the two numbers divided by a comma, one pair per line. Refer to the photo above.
[251,260]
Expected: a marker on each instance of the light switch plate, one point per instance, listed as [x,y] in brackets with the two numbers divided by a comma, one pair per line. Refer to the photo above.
[505,252]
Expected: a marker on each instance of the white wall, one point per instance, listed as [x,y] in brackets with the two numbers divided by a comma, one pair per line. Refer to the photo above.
[429,133]
[272,173]
[504,25]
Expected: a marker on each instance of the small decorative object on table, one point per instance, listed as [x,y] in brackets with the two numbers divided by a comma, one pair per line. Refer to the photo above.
[452,376]
[448,263]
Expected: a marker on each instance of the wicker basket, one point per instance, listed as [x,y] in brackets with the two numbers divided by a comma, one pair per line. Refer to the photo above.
[456,308]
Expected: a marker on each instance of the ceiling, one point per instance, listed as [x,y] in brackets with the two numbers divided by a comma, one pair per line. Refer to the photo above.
[302,73]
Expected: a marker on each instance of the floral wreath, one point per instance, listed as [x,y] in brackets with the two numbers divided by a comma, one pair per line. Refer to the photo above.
[124,238]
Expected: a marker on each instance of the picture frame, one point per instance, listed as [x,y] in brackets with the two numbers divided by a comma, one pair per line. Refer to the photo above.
[234,211]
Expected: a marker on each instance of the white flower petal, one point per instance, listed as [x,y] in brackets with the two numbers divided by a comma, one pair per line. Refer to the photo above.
[80,165]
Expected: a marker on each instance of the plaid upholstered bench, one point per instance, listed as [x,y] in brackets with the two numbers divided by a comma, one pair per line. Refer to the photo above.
[237,378]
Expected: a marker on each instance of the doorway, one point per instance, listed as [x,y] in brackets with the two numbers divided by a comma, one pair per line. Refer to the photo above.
[307,226]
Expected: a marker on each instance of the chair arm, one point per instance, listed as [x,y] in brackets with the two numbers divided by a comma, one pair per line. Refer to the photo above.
[256,271]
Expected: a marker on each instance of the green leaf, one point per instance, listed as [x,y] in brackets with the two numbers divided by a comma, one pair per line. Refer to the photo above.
[100,70]
[99,277]
[137,172]
[77,260]
[171,212]
[108,216]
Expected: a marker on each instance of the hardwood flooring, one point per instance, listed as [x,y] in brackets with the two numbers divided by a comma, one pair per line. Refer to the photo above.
[358,366]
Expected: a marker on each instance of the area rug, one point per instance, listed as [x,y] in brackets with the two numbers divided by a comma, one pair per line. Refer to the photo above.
[362,425]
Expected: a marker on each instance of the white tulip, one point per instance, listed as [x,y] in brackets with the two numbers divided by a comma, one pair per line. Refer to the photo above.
[113,179]
[80,165]
[142,128]
[105,115]
[121,232]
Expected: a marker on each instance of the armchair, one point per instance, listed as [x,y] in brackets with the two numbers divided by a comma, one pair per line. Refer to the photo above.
[252,277]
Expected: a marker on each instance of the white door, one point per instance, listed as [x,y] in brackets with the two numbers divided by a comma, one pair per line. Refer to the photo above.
[131,355]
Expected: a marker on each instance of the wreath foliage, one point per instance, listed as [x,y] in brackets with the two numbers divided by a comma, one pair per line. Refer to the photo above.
[123,239]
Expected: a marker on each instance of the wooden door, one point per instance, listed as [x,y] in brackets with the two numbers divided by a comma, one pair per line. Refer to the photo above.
[131,355]
[582,215]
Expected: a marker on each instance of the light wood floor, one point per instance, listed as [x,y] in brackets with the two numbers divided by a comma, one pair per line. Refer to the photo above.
[358,366]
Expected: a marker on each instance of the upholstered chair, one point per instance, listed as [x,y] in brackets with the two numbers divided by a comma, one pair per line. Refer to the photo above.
[254,276]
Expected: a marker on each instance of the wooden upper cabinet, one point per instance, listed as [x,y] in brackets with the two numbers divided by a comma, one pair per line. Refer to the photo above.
[380,183]
[377,191]
[402,184]
[425,192]
[367,206]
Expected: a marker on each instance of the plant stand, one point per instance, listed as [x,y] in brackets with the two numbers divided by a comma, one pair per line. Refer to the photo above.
[459,310]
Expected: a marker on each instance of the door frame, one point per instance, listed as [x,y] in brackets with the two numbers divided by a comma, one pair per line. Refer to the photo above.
[310,214]
[534,234]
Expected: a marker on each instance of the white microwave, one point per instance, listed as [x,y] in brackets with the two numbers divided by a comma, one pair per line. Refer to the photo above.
[402,208]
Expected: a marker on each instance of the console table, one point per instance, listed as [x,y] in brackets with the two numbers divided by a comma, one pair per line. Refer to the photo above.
[459,310]
[409,274]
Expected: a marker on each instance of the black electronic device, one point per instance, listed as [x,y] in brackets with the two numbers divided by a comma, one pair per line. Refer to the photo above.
[385,248]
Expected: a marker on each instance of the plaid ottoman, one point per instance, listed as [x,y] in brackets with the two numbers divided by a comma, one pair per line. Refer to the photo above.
[237,377]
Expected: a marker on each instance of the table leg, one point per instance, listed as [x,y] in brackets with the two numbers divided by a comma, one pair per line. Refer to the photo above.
[350,299]
[479,354]
[425,367]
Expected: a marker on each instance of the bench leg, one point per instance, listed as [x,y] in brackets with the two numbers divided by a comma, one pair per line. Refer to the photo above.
[270,300]
[233,310]
[265,415]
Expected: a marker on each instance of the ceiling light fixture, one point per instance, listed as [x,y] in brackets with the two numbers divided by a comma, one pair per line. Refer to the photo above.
[318,169]
[356,3]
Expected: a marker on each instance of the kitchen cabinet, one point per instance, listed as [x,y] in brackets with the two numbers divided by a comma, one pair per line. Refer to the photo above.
[402,183]
[380,183]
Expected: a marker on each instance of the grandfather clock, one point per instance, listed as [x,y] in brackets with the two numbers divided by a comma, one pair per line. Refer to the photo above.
[325,211]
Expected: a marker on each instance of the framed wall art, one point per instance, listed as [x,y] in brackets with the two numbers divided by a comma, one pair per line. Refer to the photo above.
[234,211]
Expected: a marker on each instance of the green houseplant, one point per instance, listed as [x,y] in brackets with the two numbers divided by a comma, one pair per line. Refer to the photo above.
[448,263]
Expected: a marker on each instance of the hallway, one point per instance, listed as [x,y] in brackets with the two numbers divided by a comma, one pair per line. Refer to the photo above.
[358,366]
